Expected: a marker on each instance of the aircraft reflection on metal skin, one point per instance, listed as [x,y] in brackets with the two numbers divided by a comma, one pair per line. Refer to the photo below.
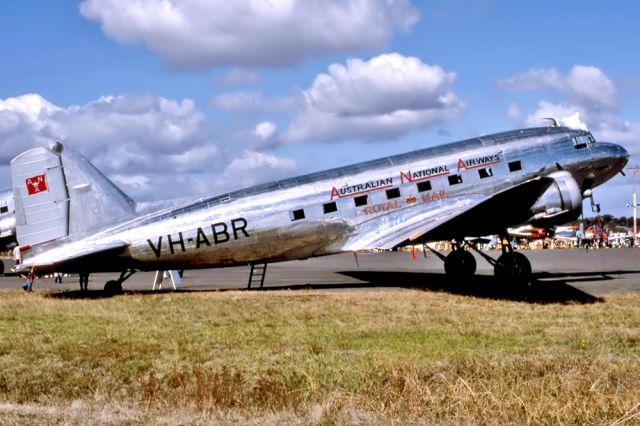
[71,218]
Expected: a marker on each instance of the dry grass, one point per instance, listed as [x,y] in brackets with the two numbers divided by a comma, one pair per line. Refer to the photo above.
[308,358]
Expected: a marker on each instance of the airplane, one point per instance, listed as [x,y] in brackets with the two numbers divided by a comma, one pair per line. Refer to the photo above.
[530,232]
[71,218]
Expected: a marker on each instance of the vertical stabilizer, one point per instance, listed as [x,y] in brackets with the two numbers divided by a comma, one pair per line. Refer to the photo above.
[59,193]
[40,196]
[96,202]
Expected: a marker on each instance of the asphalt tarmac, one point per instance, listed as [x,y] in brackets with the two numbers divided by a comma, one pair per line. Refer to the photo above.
[560,276]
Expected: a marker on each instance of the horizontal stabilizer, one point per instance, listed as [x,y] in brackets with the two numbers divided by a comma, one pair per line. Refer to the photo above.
[75,252]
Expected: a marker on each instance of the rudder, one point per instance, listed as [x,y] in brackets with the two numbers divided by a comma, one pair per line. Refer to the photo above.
[40,196]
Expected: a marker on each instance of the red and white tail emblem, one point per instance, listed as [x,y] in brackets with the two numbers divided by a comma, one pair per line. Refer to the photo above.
[37,184]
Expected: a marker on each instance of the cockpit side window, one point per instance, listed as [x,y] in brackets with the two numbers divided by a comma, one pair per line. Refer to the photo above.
[583,141]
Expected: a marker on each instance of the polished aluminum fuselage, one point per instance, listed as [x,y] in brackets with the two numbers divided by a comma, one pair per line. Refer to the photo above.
[265,224]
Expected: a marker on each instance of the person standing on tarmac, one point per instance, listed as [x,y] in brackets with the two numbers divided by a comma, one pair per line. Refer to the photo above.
[17,255]
[84,281]
[28,285]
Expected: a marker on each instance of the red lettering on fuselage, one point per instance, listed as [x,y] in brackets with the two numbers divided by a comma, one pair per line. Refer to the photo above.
[382,207]
[434,196]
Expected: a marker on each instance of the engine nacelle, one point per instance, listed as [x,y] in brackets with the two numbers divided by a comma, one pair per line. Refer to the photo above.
[560,203]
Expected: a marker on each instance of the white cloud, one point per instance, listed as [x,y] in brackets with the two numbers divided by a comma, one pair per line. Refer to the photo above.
[265,130]
[382,98]
[205,33]
[24,120]
[254,167]
[535,79]
[513,112]
[156,148]
[583,84]
[239,76]
[591,85]
[140,122]
[588,91]
[552,110]
[251,102]
[235,171]
[385,83]
[238,101]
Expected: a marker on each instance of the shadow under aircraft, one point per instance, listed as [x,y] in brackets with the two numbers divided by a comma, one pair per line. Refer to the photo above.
[544,288]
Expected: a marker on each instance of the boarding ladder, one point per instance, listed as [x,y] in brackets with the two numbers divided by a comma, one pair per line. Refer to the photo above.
[257,275]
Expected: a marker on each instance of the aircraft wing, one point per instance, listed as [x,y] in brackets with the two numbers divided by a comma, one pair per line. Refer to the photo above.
[466,215]
[388,231]
[80,252]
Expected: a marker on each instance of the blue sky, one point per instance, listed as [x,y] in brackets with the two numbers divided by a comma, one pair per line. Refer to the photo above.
[187,97]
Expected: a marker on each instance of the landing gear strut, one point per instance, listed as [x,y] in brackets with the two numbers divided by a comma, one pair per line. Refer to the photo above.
[115,286]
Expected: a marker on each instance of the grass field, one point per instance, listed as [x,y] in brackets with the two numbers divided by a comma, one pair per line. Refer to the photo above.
[316,357]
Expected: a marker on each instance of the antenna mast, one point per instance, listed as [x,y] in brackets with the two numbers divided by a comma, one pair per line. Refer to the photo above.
[634,171]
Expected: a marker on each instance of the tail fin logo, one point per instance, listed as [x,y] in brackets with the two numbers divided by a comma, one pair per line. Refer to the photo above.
[37,184]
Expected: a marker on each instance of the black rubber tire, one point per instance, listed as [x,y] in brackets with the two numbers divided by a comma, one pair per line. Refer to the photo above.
[513,268]
[460,264]
[1,267]
[113,287]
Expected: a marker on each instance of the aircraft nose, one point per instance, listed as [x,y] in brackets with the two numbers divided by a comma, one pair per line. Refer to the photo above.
[621,154]
[612,155]
[615,152]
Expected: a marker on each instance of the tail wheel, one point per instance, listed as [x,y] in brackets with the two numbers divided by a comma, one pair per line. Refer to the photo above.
[460,264]
[513,267]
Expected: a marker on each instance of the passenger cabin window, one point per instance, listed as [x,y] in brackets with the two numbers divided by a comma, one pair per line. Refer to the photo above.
[297,215]
[455,179]
[485,172]
[424,186]
[583,141]
[330,207]
[393,193]
[515,166]
[4,209]
[361,200]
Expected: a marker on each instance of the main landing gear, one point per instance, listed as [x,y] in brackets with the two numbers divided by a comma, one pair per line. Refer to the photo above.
[510,268]
[115,286]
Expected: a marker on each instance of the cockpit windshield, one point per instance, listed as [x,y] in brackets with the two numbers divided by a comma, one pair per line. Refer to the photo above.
[583,141]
